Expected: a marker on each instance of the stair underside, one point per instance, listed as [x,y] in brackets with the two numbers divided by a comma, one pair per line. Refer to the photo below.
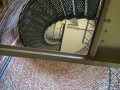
[38,15]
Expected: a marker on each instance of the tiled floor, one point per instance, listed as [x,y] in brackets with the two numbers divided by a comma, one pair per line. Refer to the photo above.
[30,74]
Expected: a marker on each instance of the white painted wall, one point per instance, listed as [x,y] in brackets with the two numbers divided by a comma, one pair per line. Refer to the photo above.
[73,35]
[112,36]
[72,39]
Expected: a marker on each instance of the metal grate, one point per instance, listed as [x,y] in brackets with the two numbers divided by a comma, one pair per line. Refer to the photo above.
[38,15]
[92,8]
[67,4]
[48,8]
[58,8]
[35,22]
[79,8]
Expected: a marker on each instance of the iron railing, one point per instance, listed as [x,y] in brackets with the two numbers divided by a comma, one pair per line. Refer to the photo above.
[87,41]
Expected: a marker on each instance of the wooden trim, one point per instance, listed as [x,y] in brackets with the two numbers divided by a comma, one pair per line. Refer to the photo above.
[94,44]
[56,56]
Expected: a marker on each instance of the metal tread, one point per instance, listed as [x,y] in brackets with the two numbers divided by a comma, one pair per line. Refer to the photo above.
[38,15]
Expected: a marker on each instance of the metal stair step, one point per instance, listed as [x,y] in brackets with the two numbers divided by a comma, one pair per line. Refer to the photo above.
[79,8]
[68,8]
[92,9]
[58,9]
[38,45]
[40,14]
[29,44]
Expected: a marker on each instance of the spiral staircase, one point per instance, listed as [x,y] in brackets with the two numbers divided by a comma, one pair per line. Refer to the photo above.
[38,15]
